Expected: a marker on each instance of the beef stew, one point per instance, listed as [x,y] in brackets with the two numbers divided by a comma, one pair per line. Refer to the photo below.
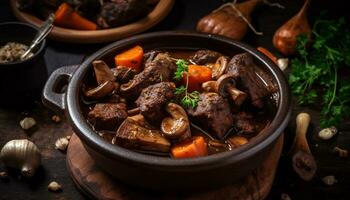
[157,110]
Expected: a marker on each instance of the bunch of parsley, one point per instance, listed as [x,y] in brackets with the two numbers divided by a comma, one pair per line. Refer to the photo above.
[316,75]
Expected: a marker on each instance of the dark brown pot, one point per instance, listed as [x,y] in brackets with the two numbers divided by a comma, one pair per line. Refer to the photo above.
[159,172]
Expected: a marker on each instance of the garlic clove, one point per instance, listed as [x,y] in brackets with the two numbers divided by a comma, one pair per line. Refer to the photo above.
[329,180]
[327,133]
[21,154]
[62,143]
[54,186]
[282,63]
[27,123]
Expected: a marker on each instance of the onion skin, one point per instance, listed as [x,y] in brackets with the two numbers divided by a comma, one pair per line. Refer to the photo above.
[227,22]
[285,38]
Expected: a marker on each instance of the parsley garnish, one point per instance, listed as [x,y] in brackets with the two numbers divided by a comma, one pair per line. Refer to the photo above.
[190,99]
[316,74]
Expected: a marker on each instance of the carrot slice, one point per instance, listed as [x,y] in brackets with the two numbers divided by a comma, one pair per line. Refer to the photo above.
[130,58]
[197,74]
[194,147]
[268,54]
[66,17]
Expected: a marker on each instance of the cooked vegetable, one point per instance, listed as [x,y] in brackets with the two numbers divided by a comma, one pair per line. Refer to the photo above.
[230,20]
[196,75]
[189,99]
[130,58]
[194,147]
[285,38]
[316,75]
[177,126]
[66,17]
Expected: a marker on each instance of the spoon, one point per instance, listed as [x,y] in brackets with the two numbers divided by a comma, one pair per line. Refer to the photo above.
[44,30]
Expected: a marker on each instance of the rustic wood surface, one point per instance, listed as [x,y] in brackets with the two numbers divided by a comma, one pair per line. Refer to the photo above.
[182,17]
[97,184]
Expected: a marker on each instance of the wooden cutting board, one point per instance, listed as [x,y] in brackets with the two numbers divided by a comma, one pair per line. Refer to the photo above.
[97,184]
[159,12]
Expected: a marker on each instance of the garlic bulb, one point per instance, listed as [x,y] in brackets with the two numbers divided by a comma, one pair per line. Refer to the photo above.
[21,154]
[327,133]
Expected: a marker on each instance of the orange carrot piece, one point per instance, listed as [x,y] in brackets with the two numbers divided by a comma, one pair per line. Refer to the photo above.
[268,54]
[66,17]
[195,147]
[197,74]
[130,58]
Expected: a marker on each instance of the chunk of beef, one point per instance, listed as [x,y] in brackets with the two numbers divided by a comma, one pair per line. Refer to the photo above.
[123,74]
[153,98]
[244,122]
[150,56]
[242,68]
[107,116]
[212,113]
[202,57]
[136,133]
[120,12]
[157,71]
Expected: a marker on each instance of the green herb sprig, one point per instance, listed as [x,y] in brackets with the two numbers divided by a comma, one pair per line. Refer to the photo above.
[190,99]
[316,74]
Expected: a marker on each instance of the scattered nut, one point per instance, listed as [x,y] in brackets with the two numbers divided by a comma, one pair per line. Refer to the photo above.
[285,196]
[68,137]
[282,63]
[56,118]
[327,133]
[62,143]
[54,187]
[329,180]
[27,123]
[4,176]
[341,152]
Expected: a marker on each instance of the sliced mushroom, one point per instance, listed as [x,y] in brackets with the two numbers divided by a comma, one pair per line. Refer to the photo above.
[136,133]
[177,126]
[226,86]
[219,67]
[102,72]
[101,91]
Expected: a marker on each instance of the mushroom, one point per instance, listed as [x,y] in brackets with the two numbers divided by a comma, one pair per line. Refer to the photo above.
[226,86]
[177,126]
[219,67]
[102,72]
[304,163]
[102,90]
[136,133]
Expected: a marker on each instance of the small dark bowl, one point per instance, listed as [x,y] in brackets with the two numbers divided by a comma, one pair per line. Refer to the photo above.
[21,82]
[158,172]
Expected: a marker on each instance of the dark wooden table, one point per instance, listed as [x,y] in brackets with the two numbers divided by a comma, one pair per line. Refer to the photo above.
[183,17]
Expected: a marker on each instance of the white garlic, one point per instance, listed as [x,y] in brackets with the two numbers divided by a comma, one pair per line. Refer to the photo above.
[329,180]
[21,154]
[327,133]
[282,63]
[62,143]
[27,123]
[54,186]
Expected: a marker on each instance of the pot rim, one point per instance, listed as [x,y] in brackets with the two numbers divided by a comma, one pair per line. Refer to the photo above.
[36,54]
[264,139]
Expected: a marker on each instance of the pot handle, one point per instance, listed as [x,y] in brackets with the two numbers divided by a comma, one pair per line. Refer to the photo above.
[54,94]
